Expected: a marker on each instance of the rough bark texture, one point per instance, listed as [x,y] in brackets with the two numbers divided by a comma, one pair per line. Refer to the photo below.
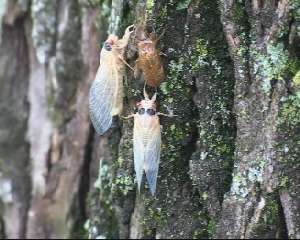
[230,159]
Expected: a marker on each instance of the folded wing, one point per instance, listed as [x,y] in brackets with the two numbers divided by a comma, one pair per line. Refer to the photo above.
[152,157]
[147,147]
[102,96]
[138,150]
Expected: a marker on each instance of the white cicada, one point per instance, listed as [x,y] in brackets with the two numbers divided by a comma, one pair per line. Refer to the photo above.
[147,141]
[106,93]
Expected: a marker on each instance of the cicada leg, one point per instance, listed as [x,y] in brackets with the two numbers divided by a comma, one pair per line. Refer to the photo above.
[163,54]
[137,70]
[160,36]
[127,64]
[167,115]
[130,116]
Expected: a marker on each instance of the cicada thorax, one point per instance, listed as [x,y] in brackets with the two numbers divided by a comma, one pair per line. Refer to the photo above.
[118,48]
[118,74]
[149,61]
[146,114]
[118,94]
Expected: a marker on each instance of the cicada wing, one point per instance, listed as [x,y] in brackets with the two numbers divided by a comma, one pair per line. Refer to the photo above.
[152,156]
[138,150]
[101,97]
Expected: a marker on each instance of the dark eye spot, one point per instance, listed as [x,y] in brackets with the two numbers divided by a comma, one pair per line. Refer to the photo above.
[141,111]
[107,46]
[131,29]
[150,111]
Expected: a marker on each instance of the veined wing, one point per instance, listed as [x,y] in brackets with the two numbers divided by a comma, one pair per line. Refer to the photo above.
[102,94]
[152,156]
[138,149]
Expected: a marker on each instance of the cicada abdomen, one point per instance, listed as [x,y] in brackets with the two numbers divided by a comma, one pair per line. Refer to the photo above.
[106,93]
[147,142]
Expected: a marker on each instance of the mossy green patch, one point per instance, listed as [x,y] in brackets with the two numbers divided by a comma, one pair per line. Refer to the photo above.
[296,79]
[239,186]
[199,55]
[289,143]
[271,65]
[150,5]
[269,218]
[208,229]
[183,4]
[157,214]
[123,184]
[211,228]
[290,114]
[276,63]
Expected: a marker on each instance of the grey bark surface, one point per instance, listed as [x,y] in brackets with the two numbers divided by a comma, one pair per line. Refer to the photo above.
[230,159]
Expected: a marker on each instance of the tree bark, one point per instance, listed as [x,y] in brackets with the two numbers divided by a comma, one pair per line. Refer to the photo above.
[230,159]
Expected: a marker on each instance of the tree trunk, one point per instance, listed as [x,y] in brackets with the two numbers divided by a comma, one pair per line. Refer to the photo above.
[230,159]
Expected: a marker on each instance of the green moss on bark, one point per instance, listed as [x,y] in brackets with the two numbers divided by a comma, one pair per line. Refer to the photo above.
[289,143]
[268,223]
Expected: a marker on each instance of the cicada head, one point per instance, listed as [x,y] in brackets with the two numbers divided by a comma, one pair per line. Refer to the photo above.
[110,42]
[108,47]
[147,43]
[147,105]
[146,47]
